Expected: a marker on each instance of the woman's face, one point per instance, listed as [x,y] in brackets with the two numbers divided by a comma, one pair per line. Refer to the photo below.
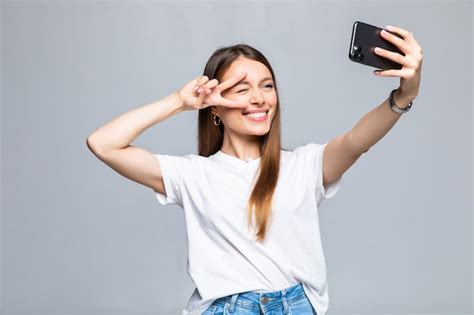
[256,90]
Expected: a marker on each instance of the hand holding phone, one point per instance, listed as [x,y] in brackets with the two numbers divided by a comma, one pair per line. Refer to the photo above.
[364,39]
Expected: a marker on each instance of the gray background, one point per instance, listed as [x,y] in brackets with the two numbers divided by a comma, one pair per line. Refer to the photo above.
[79,238]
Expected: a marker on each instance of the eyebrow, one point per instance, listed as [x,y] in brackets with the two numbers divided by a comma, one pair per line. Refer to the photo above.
[246,82]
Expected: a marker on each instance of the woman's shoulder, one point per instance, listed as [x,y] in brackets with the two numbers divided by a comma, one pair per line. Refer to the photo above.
[307,147]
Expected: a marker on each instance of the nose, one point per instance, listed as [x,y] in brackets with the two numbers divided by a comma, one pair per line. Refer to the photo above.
[257,97]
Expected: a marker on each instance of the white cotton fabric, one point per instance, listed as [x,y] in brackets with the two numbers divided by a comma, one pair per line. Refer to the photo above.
[223,258]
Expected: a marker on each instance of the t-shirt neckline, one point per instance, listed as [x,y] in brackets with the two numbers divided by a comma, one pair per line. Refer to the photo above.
[236,161]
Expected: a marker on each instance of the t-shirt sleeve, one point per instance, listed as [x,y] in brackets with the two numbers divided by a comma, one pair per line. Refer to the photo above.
[173,171]
[315,152]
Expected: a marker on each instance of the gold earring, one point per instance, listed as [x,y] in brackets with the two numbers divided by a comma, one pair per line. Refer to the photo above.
[214,119]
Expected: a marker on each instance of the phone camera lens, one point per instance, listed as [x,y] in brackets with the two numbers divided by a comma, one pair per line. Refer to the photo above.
[357,53]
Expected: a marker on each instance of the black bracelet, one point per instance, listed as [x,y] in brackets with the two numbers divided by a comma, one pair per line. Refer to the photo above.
[394,107]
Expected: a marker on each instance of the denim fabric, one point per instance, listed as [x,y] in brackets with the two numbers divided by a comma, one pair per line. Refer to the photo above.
[292,300]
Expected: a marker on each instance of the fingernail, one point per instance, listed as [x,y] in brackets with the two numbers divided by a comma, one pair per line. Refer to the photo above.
[199,90]
[390,27]
[195,88]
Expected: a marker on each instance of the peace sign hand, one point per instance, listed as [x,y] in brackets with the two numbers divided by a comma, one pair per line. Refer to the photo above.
[201,93]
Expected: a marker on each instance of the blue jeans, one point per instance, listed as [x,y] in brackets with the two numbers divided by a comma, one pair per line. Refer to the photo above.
[292,300]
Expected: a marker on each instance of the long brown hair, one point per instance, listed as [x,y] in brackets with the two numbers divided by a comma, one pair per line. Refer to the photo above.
[210,137]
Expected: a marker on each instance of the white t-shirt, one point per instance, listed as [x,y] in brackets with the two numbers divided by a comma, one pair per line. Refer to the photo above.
[223,256]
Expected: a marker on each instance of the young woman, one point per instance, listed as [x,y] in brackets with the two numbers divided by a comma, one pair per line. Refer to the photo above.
[250,207]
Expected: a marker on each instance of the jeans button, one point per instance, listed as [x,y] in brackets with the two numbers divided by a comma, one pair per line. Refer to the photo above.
[265,299]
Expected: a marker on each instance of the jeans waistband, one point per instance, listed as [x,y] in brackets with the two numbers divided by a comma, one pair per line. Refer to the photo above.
[264,300]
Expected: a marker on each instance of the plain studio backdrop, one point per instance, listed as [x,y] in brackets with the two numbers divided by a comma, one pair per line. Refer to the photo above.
[78,238]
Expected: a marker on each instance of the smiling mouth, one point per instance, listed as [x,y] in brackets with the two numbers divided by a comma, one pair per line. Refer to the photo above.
[259,116]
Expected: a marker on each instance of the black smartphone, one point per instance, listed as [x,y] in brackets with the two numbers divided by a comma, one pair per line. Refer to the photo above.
[364,39]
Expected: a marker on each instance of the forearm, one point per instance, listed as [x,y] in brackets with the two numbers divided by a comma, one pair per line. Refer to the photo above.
[121,131]
[376,124]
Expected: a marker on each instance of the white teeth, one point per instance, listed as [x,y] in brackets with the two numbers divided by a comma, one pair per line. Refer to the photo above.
[256,115]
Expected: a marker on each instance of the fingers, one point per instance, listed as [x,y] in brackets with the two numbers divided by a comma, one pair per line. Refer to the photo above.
[404,33]
[407,44]
[202,79]
[199,82]
[392,56]
[202,83]
[205,86]
[232,103]
[201,97]
[397,41]
[395,73]
[407,35]
[232,81]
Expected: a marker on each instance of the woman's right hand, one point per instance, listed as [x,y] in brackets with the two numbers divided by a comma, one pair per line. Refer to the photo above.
[201,93]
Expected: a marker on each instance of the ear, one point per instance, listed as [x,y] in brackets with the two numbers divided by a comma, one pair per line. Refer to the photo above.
[214,110]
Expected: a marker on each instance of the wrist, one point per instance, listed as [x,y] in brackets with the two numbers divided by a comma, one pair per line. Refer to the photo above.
[177,101]
[401,99]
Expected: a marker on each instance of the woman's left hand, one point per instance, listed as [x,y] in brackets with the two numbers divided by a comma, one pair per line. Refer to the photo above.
[410,73]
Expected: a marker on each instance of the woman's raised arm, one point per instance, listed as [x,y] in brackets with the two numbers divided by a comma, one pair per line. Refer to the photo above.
[111,142]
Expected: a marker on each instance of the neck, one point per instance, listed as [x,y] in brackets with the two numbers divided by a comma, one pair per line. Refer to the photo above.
[242,146]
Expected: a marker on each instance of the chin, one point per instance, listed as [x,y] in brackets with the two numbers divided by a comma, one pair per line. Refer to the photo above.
[257,131]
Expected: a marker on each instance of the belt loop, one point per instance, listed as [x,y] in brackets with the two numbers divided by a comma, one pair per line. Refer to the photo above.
[285,304]
[233,301]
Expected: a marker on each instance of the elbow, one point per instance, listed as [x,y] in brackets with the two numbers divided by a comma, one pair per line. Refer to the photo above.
[98,147]
[92,145]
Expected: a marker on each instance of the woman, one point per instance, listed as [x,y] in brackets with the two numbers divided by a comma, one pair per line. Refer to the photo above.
[251,207]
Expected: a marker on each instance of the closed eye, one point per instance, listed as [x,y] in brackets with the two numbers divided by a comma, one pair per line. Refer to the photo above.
[268,85]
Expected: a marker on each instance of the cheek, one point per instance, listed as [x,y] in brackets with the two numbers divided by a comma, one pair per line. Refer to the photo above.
[271,98]
[274,98]
[274,101]
[232,115]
